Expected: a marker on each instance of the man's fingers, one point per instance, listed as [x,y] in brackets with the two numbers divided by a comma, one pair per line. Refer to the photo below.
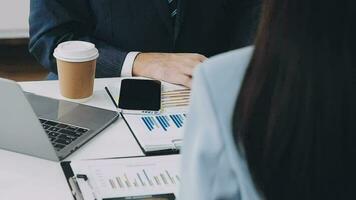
[187,67]
[192,56]
[197,57]
[184,80]
[175,77]
[201,58]
[188,84]
[175,68]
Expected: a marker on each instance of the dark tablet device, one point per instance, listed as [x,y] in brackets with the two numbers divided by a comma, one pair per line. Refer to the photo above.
[138,94]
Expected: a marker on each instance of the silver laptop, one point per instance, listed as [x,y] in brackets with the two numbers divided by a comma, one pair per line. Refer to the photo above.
[44,127]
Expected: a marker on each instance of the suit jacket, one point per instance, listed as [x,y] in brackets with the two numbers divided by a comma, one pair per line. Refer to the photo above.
[117,27]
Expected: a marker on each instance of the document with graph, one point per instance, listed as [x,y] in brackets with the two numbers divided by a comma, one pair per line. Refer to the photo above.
[155,177]
[157,134]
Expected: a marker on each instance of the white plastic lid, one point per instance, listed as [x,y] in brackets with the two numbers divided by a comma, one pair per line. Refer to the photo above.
[76,51]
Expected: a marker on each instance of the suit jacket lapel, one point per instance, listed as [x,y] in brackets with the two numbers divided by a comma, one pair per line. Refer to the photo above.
[163,11]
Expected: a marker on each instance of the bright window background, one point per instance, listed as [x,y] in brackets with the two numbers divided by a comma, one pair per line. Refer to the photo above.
[14,18]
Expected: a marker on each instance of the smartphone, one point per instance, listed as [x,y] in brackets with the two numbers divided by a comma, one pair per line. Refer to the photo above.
[139,94]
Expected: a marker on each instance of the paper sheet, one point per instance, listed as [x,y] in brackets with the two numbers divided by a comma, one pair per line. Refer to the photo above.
[113,178]
[157,132]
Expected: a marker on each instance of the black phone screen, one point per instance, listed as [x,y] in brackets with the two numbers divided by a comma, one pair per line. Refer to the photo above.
[138,94]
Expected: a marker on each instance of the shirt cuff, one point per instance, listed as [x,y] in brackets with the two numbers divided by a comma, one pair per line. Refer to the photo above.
[126,70]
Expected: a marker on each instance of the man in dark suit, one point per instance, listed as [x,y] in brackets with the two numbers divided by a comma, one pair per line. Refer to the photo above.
[161,39]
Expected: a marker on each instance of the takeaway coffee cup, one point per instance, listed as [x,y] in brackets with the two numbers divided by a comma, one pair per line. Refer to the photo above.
[76,63]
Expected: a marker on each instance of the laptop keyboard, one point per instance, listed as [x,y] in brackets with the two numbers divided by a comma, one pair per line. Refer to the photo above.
[62,134]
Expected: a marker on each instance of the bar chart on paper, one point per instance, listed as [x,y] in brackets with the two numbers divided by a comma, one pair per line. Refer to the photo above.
[163,122]
[132,176]
[156,125]
[143,176]
[157,132]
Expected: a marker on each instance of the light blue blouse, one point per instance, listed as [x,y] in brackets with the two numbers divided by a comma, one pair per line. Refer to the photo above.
[212,166]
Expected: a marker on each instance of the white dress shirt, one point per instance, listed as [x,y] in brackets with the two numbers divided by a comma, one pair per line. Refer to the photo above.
[126,70]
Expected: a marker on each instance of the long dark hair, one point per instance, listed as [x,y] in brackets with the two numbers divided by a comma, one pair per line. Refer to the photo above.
[295,115]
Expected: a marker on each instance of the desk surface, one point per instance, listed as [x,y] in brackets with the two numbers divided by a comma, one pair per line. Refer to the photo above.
[26,177]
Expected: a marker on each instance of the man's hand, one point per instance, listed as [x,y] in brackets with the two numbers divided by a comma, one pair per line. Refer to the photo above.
[175,68]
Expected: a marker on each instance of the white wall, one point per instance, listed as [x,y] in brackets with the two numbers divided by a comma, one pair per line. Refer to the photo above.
[14,18]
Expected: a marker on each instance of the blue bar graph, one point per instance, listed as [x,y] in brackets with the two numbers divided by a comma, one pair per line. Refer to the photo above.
[181,118]
[178,120]
[144,119]
[164,122]
[163,125]
[167,119]
[174,120]
[178,117]
[151,121]
[159,118]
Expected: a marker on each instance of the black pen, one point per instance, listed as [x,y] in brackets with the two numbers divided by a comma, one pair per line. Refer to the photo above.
[111,97]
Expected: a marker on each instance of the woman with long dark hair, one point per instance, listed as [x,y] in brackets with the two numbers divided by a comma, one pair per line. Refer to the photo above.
[278,120]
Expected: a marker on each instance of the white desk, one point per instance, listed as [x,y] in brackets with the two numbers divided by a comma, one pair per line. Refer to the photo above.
[26,177]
